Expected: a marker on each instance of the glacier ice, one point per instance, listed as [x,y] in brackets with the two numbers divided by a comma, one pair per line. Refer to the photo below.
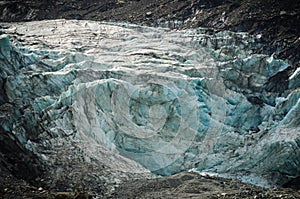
[170,100]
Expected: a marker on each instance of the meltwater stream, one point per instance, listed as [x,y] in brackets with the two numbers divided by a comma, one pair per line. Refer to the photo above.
[135,99]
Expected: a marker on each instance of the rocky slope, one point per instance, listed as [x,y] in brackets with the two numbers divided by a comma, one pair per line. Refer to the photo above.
[192,185]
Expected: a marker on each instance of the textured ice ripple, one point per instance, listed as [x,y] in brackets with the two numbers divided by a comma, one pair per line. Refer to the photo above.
[170,100]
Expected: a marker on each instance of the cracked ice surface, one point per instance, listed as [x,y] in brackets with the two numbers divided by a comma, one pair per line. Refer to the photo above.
[170,100]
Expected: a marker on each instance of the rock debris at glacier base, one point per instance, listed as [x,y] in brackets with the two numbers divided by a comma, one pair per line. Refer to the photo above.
[109,93]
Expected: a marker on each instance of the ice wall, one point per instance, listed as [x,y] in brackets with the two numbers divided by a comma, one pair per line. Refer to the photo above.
[170,100]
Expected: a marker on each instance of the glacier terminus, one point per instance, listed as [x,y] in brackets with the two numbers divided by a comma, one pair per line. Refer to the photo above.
[140,101]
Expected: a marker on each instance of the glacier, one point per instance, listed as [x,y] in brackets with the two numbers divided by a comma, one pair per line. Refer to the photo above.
[141,100]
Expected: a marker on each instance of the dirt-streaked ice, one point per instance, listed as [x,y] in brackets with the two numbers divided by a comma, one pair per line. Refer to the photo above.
[171,100]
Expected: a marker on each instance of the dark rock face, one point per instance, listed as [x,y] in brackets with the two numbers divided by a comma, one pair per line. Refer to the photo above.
[3,97]
[295,183]
[15,158]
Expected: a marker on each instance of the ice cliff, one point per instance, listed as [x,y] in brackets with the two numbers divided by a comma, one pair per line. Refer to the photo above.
[106,94]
